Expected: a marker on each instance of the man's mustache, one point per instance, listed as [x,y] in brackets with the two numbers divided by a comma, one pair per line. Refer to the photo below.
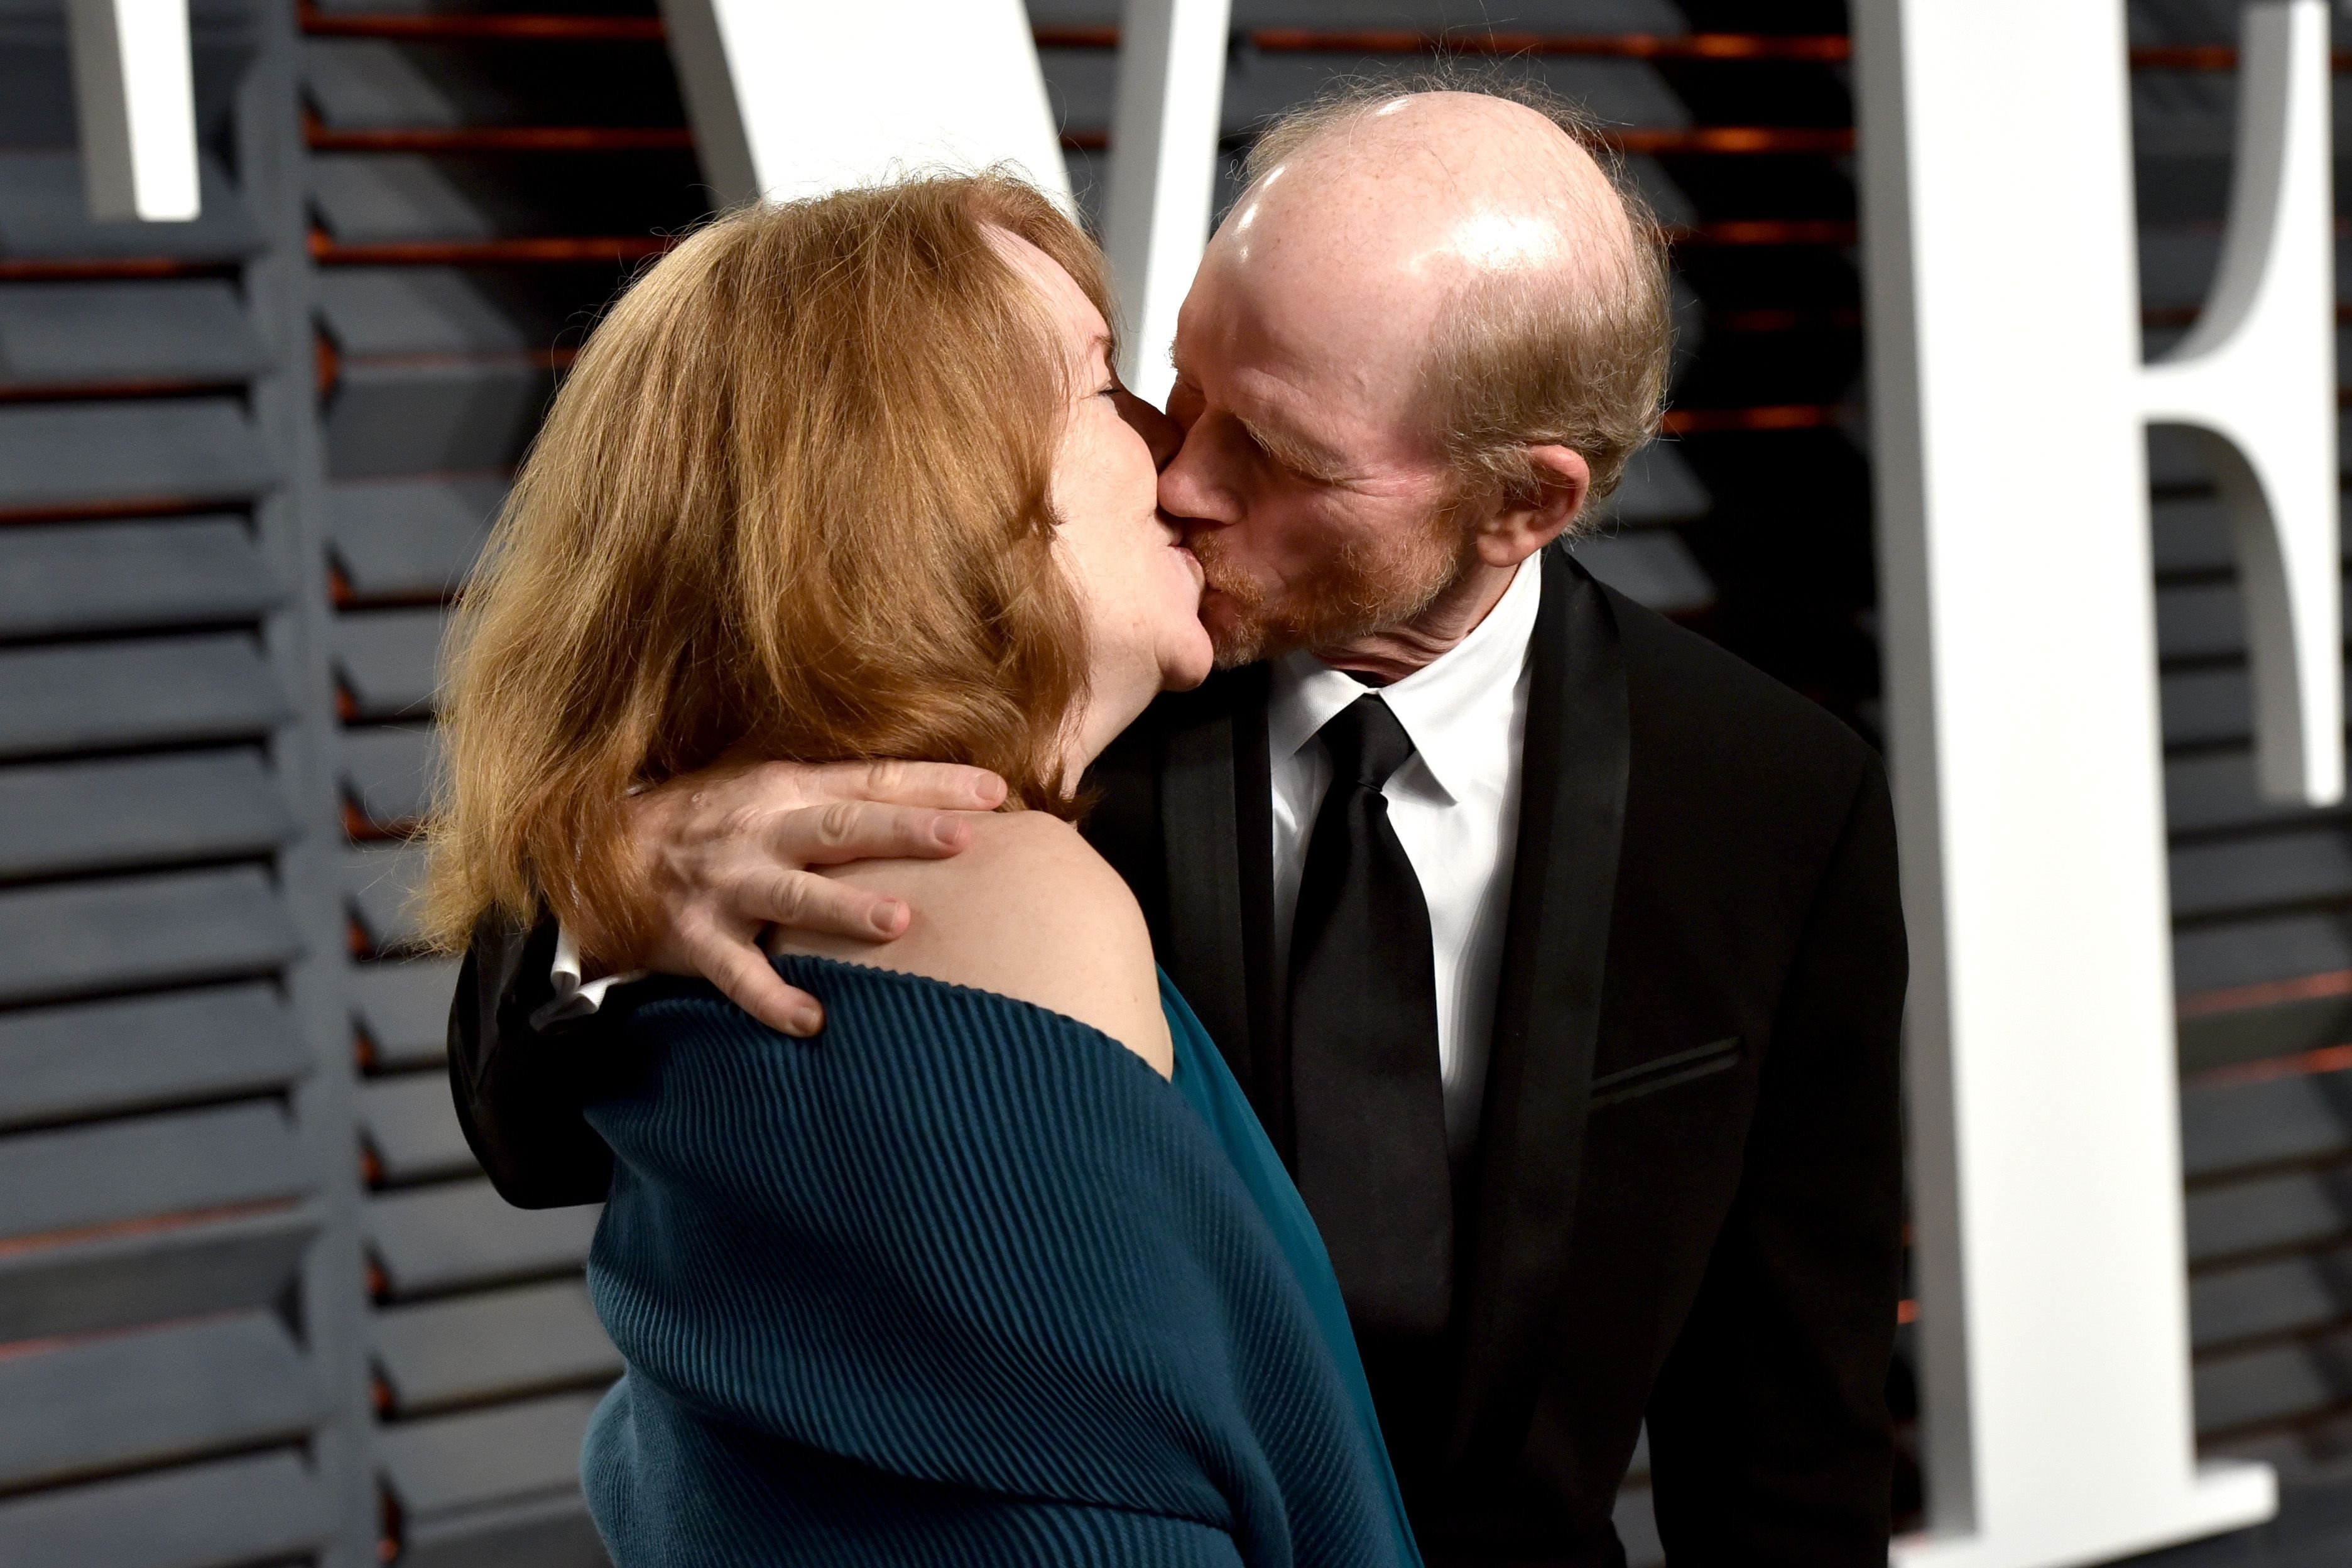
[1218,568]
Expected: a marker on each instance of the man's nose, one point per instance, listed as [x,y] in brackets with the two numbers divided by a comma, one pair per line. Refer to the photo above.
[1189,492]
[1160,433]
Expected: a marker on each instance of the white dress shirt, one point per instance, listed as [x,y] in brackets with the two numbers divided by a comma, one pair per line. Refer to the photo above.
[1454,807]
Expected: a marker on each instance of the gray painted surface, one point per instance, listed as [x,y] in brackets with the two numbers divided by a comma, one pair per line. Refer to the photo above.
[180,1360]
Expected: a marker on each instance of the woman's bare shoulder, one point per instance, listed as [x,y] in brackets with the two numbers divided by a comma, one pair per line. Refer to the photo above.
[1031,912]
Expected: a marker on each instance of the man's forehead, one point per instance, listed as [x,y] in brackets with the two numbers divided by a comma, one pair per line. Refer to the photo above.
[1314,412]
[1313,315]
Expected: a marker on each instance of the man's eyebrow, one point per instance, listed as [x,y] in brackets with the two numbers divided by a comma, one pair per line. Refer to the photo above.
[1299,454]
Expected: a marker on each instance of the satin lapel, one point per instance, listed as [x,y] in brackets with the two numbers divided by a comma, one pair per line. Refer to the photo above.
[1216,851]
[1547,1006]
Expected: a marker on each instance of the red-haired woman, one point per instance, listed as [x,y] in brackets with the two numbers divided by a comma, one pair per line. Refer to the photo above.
[999,1268]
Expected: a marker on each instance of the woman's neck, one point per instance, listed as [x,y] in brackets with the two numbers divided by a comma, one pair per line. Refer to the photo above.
[1103,715]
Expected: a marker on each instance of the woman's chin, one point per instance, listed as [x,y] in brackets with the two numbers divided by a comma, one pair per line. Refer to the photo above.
[1188,668]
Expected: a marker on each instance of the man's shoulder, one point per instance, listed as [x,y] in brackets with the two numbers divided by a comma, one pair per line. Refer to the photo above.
[1700,708]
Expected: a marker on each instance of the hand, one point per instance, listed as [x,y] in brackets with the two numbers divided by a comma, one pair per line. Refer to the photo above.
[728,853]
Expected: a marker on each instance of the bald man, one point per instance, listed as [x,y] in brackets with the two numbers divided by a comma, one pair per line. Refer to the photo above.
[1559,951]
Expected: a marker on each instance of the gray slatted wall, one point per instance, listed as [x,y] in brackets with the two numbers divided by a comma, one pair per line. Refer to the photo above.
[458,264]
[179,1368]
[2261,896]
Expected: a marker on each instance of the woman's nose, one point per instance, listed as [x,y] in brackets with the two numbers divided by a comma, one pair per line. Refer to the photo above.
[1159,432]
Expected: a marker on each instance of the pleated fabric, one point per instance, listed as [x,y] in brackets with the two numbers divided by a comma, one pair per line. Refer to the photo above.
[960,1281]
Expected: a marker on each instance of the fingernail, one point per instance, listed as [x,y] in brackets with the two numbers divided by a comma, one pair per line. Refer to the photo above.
[891,918]
[992,790]
[805,1022]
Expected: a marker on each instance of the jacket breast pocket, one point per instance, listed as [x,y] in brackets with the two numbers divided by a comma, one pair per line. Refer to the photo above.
[1665,1072]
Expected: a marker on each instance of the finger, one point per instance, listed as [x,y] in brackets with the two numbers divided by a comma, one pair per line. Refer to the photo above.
[944,787]
[846,830]
[803,901]
[743,973]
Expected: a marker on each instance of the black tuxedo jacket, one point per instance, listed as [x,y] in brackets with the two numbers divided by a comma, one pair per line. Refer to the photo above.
[1686,1202]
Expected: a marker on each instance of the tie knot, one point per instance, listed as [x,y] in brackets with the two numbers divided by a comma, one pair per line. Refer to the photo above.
[1366,743]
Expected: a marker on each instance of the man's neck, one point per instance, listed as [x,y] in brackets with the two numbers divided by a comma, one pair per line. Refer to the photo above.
[1396,652]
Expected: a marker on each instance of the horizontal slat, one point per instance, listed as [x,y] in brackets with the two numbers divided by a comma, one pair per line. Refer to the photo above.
[380,880]
[410,1128]
[463,1234]
[435,415]
[81,334]
[388,772]
[2215,1039]
[455,1465]
[2176,265]
[2187,111]
[1619,92]
[110,577]
[2191,534]
[2279,1295]
[141,931]
[114,1057]
[2202,706]
[2269,947]
[2203,621]
[248,1509]
[373,197]
[2273,1382]
[2308,1457]
[2300,1209]
[1659,487]
[140,811]
[117,1400]
[73,454]
[2302,866]
[84,696]
[403,1005]
[2233,1126]
[1650,566]
[548,1531]
[145,1273]
[385,660]
[410,538]
[45,215]
[177,1163]
[2216,789]
[386,310]
[2199,622]
[2178,463]
[378,83]
[493,1346]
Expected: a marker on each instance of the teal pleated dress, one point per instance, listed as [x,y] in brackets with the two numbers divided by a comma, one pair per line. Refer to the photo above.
[962,1280]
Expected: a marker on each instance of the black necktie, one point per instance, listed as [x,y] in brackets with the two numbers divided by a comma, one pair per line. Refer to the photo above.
[1369,1106]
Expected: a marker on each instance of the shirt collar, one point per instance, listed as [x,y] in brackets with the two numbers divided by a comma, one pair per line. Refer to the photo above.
[1440,704]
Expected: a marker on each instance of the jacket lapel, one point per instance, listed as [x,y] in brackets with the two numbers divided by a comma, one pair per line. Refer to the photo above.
[1217,834]
[1547,1006]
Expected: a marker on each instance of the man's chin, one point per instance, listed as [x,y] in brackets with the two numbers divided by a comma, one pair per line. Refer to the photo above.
[1236,636]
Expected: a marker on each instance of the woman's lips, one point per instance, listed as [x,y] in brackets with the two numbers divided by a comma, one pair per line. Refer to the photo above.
[1192,565]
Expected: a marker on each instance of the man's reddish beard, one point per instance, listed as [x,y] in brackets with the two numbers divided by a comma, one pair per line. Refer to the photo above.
[1363,586]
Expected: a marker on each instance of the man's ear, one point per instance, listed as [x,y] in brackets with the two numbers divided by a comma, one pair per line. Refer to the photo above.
[1540,511]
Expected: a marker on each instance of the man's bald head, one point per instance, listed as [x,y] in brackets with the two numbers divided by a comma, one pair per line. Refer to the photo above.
[1468,250]
[1428,334]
